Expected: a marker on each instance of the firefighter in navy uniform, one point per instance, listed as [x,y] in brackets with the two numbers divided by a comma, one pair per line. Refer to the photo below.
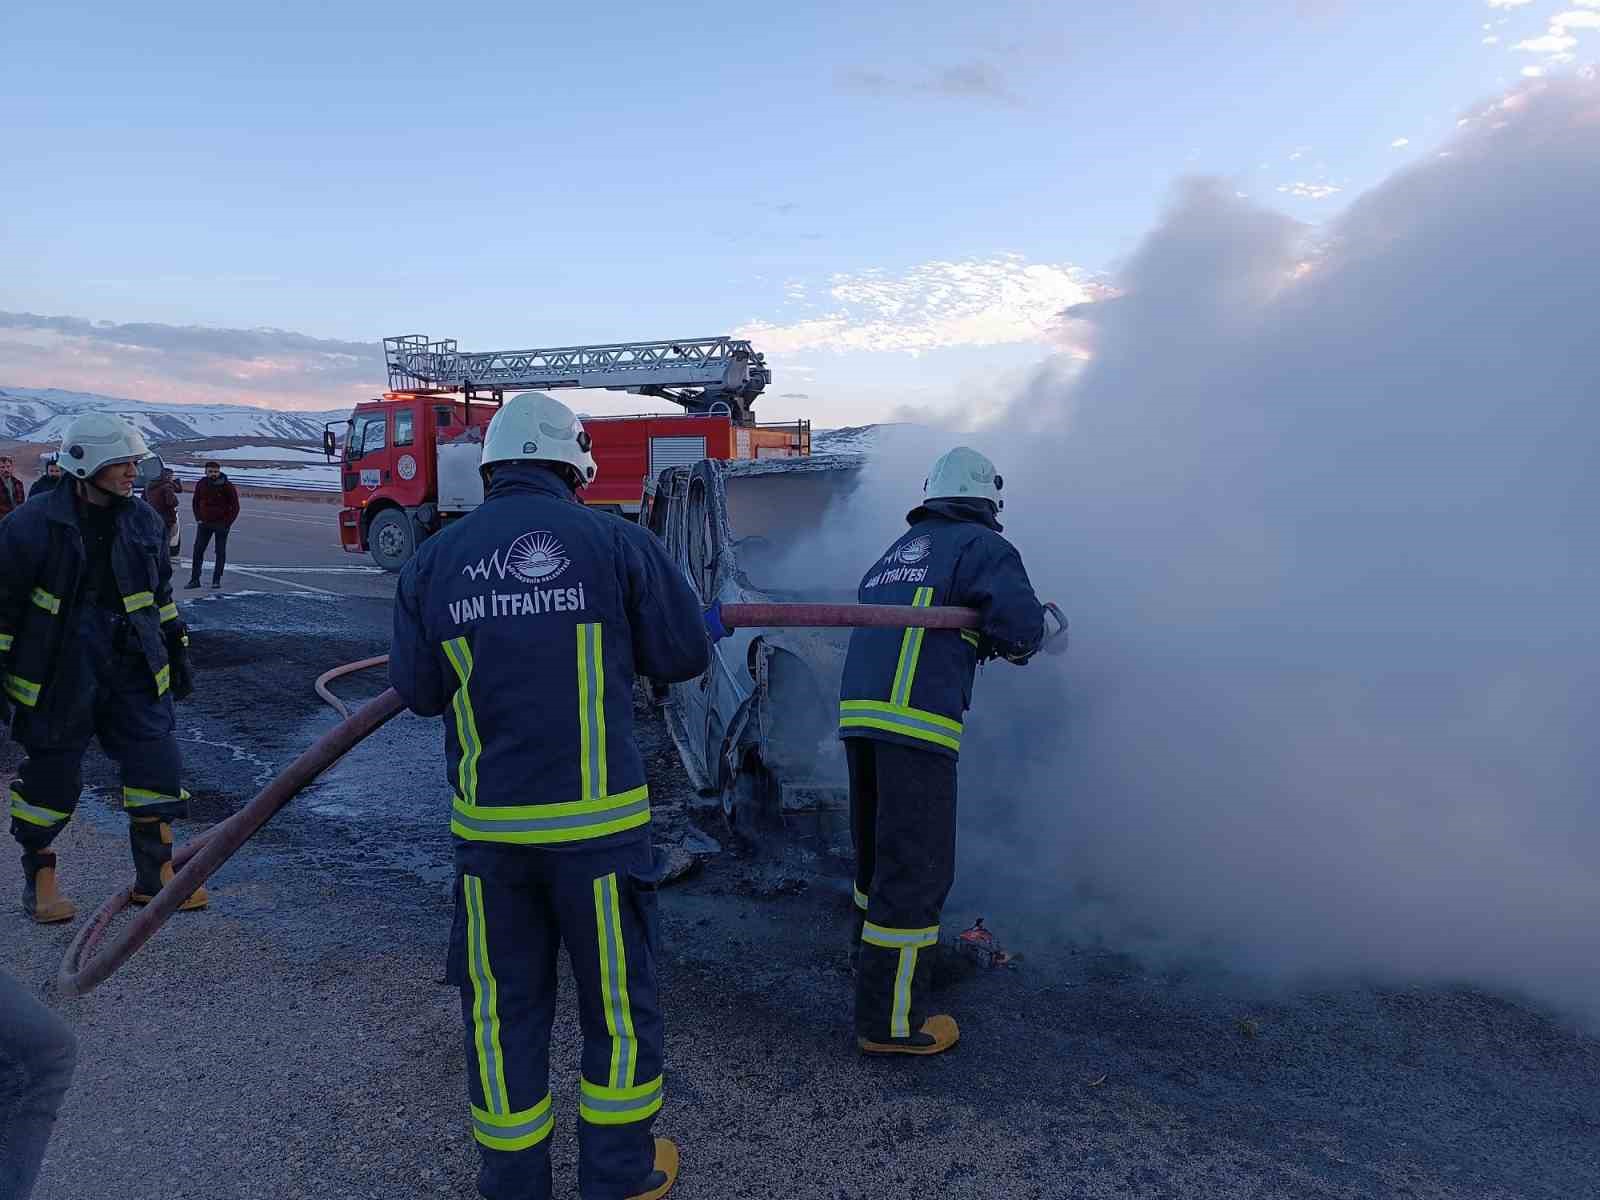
[91,647]
[902,700]
[524,623]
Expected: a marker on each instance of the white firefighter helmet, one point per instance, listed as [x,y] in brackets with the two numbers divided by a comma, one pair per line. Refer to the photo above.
[963,474]
[534,427]
[94,440]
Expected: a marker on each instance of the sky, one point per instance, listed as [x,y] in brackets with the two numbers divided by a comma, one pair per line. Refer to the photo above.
[895,202]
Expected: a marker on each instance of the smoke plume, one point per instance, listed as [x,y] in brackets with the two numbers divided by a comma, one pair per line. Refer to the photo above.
[1323,512]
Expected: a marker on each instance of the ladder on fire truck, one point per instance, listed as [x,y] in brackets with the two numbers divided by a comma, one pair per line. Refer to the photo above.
[704,375]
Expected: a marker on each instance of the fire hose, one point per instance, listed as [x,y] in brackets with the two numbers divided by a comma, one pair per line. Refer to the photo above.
[87,964]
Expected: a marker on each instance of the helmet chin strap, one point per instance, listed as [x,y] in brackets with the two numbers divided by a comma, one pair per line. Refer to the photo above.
[114,498]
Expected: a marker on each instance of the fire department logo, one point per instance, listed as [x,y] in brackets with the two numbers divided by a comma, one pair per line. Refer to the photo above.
[407,467]
[537,558]
[914,551]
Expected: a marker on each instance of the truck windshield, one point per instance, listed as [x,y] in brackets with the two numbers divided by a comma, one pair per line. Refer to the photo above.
[367,436]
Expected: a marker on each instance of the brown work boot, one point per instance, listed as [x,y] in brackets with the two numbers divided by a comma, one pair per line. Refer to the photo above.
[40,899]
[665,1173]
[151,838]
[936,1036]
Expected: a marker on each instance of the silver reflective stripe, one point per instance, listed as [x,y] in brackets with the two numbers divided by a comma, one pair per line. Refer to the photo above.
[592,713]
[590,1100]
[623,1047]
[543,824]
[539,1123]
[484,1015]
[882,935]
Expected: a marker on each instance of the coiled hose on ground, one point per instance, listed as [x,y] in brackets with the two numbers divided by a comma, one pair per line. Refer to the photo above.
[87,964]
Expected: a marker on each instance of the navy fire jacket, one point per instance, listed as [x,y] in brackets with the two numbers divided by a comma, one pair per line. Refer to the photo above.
[913,685]
[528,619]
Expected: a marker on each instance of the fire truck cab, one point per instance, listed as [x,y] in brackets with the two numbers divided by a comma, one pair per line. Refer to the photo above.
[410,459]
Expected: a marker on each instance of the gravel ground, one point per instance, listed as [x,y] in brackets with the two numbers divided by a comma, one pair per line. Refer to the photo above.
[293,1041]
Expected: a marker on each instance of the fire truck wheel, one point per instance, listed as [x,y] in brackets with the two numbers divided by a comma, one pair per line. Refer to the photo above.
[390,539]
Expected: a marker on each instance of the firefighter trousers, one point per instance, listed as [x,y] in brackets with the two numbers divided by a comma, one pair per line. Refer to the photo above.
[903,825]
[114,700]
[515,907]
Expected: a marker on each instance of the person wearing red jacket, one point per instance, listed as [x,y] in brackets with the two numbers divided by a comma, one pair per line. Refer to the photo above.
[216,508]
[11,493]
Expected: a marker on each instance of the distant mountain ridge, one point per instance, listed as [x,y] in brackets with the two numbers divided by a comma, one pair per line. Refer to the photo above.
[42,415]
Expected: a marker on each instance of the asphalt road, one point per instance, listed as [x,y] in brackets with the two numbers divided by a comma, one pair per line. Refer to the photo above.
[293,1040]
[287,546]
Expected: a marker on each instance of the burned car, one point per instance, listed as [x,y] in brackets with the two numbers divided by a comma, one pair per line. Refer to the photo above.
[758,732]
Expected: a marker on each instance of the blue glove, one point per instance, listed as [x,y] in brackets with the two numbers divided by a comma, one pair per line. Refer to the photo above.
[714,627]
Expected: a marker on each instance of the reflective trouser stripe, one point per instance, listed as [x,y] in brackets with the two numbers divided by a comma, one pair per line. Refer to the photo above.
[592,711]
[163,680]
[460,655]
[513,1131]
[547,824]
[137,601]
[614,981]
[618,1106]
[860,897]
[35,814]
[893,718]
[908,942]
[970,636]
[143,797]
[910,651]
[5,642]
[23,691]
[169,612]
[485,1003]
[882,935]
[46,601]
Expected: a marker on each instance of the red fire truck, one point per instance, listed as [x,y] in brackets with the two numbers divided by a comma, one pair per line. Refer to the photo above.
[410,459]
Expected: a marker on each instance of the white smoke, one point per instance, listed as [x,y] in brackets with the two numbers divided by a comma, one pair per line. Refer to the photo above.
[1323,512]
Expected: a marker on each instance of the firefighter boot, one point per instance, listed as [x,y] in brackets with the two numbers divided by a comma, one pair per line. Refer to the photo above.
[151,838]
[664,1175]
[937,1035]
[40,899]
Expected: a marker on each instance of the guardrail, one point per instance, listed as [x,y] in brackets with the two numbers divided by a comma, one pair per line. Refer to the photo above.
[278,481]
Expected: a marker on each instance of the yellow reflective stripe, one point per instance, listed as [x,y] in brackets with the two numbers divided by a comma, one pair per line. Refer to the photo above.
[970,636]
[35,814]
[618,1105]
[614,981]
[169,612]
[513,1130]
[163,680]
[23,691]
[46,601]
[5,642]
[485,1002]
[137,601]
[901,719]
[534,824]
[860,897]
[460,655]
[910,651]
[591,711]
[884,935]
[900,1010]
[140,797]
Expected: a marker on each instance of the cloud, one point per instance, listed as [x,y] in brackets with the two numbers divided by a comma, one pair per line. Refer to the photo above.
[1509,4]
[976,302]
[1309,191]
[1399,142]
[1576,20]
[186,362]
[977,79]
[1532,72]
[1550,43]
[794,395]
[1492,40]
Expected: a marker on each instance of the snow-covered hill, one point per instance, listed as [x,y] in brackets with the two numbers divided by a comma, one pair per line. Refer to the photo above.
[42,414]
